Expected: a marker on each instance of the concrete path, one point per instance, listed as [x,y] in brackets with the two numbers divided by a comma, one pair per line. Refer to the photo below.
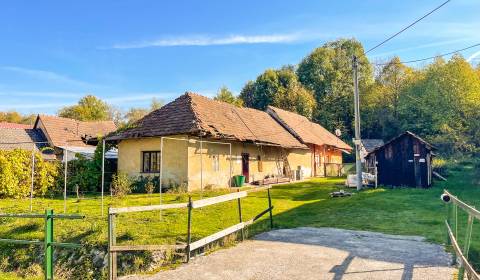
[320,253]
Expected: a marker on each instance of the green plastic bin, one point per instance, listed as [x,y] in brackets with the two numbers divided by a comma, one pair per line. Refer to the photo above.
[239,180]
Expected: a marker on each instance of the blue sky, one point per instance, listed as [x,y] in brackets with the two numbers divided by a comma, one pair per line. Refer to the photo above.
[126,52]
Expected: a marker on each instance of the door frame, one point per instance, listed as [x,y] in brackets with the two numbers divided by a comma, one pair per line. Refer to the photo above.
[246,166]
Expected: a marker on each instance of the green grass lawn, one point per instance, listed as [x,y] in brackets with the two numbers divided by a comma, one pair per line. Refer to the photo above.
[404,211]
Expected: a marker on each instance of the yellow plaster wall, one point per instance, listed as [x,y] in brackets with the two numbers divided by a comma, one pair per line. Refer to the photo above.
[183,161]
[174,158]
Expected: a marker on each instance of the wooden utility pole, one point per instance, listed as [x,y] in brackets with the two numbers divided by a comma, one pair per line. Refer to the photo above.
[357,139]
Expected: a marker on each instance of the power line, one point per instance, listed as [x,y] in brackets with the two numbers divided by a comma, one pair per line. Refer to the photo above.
[412,24]
[431,57]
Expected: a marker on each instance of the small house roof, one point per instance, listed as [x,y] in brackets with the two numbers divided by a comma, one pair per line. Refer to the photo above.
[25,139]
[305,130]
[372,144]
[197,115]
[64,131]
[14,125]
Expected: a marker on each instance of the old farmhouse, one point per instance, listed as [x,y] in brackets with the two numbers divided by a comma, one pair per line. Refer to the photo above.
[203,143]
[405,160]
[326,149]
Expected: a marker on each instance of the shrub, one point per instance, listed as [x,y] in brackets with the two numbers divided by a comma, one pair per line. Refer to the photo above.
[146,184]
[16,172]
[121,184]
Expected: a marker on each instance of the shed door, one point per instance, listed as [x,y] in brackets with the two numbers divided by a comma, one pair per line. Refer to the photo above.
[245,166]
[417,166]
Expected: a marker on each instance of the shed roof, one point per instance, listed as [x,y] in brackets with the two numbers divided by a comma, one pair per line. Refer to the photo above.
[305,130]
[65,131]
[406,133]
[372,144]
[197,115]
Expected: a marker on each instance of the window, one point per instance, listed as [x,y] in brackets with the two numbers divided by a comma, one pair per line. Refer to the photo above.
[151,162]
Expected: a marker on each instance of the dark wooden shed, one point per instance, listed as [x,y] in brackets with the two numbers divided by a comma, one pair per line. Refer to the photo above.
[405,160]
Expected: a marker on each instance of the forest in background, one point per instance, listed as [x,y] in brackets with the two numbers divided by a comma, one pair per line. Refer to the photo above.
[439,100]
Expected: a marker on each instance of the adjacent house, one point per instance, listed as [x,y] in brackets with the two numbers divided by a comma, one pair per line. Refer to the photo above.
[76,137]
[405,160]
[368,145]
[201,143]
[59,134]
[326,148]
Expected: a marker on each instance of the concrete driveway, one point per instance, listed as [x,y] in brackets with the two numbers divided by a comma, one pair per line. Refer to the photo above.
[320,253]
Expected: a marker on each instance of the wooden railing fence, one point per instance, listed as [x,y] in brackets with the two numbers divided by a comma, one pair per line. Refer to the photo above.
[113,248]
[461,255]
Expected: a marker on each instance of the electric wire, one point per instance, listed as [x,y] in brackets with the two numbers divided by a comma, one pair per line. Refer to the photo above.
[431,57]
[407,27]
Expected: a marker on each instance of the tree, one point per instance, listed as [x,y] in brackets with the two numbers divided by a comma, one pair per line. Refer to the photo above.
[381,100]
[136,113]
[156,104]
[89,108]
[444,104]
[225,95]
[327,71]
[16,117]
[279,88]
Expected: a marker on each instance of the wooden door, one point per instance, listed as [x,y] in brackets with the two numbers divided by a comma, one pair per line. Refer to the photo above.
[245,166]
[417,170]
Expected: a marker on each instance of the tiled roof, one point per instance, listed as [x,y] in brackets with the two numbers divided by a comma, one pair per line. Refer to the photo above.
[371,144]
[14,138]
[59,130]
[308,132]
[197,115]
[14,125]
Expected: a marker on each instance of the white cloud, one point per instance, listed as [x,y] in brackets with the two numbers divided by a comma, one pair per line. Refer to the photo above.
[473,56]
[40,94]
[47,76]
[198,40]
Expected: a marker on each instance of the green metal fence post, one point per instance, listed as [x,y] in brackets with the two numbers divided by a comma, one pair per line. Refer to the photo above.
[189,228]
[270,207]
[239,203]
[48,244]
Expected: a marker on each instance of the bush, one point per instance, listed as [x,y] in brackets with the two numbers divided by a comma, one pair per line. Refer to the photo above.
[121,184]
[146,184]
[16,172]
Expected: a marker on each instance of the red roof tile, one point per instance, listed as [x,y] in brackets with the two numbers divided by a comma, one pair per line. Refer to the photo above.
[305,130]
[14,125]
[197,115]
[70,132]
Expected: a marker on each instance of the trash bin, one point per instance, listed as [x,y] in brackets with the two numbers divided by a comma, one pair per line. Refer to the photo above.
[239,180]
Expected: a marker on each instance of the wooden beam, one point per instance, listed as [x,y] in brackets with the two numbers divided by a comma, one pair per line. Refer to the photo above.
[204,241]
[125,248]
[147,208]
[472,274]
[258,189]
[249,222]
[218,199]
[469,209]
